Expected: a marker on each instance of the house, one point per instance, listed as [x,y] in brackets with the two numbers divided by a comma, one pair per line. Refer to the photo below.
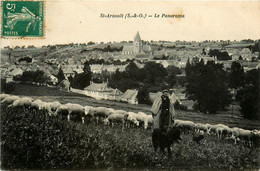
[96,68]
[68,72]
[115,95]
[249,65]
[167,63]
[16,71]
[246,54]
[98,91]
[130,96]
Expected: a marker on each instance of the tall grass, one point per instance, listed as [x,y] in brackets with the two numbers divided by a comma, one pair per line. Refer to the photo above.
[33,141]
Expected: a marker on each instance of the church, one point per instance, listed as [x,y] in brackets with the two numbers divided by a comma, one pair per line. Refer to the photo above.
[137,47]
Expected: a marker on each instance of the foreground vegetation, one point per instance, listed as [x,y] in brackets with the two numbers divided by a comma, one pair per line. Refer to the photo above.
[35,141]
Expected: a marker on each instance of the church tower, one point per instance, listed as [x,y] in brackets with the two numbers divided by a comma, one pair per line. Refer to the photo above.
[138,46]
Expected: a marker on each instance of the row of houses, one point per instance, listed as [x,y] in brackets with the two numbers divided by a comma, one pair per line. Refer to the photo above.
[8,71]
[101,91]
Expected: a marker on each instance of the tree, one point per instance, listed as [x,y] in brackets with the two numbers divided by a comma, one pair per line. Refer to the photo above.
[33,76]
[207,86]
[248,96]
[143,96]
[82,80]
[60,76]
[236,77]
[132,70]
[154,73]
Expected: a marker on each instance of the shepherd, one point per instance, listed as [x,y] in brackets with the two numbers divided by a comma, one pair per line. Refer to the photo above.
[163,111]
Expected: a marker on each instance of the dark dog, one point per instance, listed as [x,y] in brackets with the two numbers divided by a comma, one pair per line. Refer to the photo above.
[164,139]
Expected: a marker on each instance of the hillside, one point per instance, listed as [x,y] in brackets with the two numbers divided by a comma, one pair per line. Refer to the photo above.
[50,94]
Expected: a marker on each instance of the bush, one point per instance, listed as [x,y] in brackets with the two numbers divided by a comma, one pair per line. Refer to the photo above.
[7,87]
[32,76]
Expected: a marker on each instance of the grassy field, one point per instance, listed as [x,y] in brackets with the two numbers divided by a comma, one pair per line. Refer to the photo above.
[34,141]
[50,94]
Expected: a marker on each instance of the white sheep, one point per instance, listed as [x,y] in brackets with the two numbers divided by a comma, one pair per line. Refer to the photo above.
[131,120]
[186,126]
[21,103]
[76,112]
[45,108]
[3,96]
[54,105]
[89,114]
[241,134]
[62,111]
[100,113]
[143,119]
[202,128]
[35,105]
[9,99]
[116,118]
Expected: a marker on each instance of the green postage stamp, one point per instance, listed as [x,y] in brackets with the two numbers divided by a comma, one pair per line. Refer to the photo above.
[22,19]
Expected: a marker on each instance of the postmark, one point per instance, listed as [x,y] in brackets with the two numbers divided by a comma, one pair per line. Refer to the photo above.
[22,19]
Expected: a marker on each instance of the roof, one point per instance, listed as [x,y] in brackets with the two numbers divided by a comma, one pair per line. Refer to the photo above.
[16,71]
[67,71]
[99,87]
[128,48]
[147,48]
[96,67]
[130,94]
[116,92]
[137,37]
[245,51]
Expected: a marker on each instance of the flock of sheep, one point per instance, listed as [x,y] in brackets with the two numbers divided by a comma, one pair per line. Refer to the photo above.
[88,114]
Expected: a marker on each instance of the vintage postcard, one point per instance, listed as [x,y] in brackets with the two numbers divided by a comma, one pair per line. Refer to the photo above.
[129,85]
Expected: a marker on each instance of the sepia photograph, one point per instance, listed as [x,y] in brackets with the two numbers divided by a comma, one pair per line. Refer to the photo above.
[129,85]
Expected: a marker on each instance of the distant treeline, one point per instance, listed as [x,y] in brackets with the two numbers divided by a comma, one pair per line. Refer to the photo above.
[106,49]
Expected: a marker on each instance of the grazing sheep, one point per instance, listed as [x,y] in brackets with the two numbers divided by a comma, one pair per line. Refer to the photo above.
[62,111]
[142,119]
[76,112]
[246,136]
[116,118]
[201,128]
[21,103]
[186,126]
[100,113]
[54,106]
[89,114]
[165,139]
[45,108]
[131,120]
[255,139]
[35,106]
[9,99]
[3,96]
[213,128]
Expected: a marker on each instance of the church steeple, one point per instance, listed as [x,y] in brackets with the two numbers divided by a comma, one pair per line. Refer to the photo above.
[137,37]
[138,47]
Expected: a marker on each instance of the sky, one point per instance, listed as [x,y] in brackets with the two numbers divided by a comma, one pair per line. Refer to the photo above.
[79,21]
